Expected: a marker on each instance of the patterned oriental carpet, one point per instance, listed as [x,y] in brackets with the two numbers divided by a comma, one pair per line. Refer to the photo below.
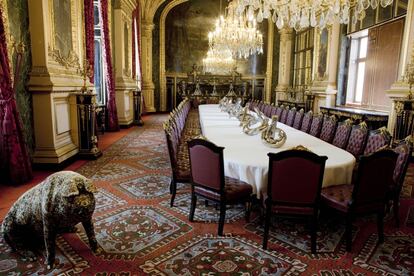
[140,234]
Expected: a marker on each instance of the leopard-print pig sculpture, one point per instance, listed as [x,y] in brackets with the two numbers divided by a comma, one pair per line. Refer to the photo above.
[57,204]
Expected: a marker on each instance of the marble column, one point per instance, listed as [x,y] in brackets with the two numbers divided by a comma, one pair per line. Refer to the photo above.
[285,62]
[147,82]
[269,65]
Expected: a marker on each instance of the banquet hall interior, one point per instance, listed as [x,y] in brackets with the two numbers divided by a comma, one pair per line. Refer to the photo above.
[207,137]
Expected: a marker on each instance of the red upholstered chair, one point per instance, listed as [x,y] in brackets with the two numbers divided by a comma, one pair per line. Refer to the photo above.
[367,195]
[357,139]
[328,128]
[342,134]
[307,121]
[279,110]
[316,125]
[292,193]
[260,106]
[209,182]
[284,114]
[291,117]
[403,149]
[298,119]
[377,139]
[179,162]
[267,110]
[273,111]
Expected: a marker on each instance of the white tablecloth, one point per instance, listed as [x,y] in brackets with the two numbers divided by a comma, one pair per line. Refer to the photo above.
[245,157]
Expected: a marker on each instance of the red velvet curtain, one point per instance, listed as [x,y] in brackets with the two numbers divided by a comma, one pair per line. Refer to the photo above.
[15,164]
[110,105]
[89,36]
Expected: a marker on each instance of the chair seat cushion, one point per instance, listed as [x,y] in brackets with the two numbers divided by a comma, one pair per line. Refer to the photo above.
[337,197]
[235,190]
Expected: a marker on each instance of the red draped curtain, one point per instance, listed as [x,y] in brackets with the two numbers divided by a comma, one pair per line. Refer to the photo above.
[15,164]
[111,105]
[89,36]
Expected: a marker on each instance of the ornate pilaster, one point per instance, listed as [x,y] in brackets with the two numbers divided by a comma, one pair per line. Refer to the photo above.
[325,66]
[125,85]
[269,65]
[285,62]
[147,82]
[57,43]
[400,89]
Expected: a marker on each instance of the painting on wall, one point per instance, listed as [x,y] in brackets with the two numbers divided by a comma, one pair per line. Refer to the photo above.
[186,36]
[323,54]
[62,23]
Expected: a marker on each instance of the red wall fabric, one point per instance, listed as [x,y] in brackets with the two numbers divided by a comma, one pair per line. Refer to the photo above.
[15,163]
[111,104]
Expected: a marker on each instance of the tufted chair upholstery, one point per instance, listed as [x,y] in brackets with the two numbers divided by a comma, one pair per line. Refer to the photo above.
[279,111]
[292,193]
[404,150]
[284,114]
[298,119]
[209,182]
[260,106]
[181,126]
[377,139]
[342,134]
[291,117]
[307,121]
[273,111]
[368,194]
[267,110]
[316,125]
[328,128]
[357,139]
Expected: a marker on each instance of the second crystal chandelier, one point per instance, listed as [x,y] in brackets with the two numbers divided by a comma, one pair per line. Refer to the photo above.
[237,34]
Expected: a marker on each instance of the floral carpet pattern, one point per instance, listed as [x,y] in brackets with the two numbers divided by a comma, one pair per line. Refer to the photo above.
[140,234]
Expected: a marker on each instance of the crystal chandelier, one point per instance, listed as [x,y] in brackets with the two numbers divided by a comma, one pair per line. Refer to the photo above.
[301,14]
[218,61]
[237,34]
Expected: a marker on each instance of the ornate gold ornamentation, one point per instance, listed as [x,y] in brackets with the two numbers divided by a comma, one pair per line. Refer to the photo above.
[71,60]
[300,147]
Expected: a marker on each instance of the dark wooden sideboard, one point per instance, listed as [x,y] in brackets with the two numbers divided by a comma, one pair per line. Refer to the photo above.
[374,119]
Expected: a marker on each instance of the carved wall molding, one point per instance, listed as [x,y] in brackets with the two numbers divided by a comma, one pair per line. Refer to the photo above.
[69,61]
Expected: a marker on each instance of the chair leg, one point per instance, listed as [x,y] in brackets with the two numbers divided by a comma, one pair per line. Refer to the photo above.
[222,218]
[380,226]
[266,227]
[248,209]
[173,188]
[396,209]
[348,232]
[171,185]
[193,206]
[314,228]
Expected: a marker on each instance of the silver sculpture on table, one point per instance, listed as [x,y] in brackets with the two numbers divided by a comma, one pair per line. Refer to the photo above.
[261,119]
[273,136]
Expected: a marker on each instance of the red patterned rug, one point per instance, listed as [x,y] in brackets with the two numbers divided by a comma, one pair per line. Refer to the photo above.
[139,234]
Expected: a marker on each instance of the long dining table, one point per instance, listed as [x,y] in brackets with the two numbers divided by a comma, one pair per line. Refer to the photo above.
[245,157]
